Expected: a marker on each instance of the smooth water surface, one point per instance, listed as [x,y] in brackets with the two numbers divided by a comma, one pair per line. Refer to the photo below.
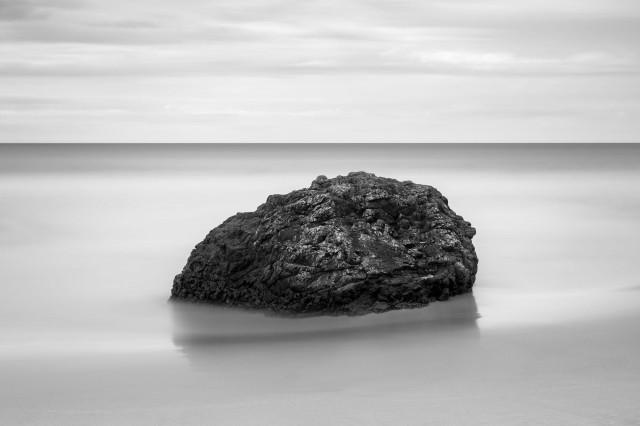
[91,237]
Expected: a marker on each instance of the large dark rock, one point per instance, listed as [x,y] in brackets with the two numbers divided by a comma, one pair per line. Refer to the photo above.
[348,245]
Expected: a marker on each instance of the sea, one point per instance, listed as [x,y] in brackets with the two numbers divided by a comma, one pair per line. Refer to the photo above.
[91,237]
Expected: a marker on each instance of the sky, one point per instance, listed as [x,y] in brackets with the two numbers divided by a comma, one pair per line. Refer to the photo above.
[319,71]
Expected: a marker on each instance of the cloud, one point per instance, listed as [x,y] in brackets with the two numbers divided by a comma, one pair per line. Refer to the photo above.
[14,10]
[28,103]
[25,10]
[128,24]
[263,58]
[471,60]
[366,62]
[487,62]
[278,37]
[204,111]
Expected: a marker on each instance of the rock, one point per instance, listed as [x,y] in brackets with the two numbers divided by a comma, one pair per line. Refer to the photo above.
[350,245]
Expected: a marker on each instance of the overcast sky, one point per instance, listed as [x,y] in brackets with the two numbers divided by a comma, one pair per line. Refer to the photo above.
[320,71]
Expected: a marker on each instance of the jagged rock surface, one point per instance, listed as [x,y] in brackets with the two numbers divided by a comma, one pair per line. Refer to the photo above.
[350,245]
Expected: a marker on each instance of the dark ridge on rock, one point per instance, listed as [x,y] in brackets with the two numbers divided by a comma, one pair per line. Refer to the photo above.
[350,245]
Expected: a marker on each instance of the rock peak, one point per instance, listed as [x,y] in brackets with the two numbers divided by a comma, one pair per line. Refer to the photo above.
[348,245]
[361,173]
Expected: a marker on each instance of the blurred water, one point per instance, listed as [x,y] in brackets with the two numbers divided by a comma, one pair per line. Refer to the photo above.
[92,236]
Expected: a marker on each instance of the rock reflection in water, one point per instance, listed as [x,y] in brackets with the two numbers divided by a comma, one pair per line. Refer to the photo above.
[236,344]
